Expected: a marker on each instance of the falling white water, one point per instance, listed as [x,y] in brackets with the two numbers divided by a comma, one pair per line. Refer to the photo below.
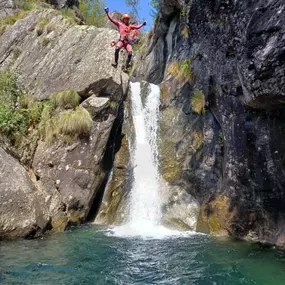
[146,202]
[147,194]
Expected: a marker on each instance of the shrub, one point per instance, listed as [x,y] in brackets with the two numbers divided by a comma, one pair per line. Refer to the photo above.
[12,122]
[198,102]
[67,99]
[69,15]
[18,111]
[92,13]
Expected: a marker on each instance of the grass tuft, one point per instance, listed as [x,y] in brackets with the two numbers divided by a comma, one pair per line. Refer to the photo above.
[41,25]
[75,123]
[198,102]
[182,71]
[68,125]
[185,32]
[67,99]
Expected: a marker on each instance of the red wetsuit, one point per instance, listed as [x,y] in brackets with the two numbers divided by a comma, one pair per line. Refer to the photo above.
[124,31]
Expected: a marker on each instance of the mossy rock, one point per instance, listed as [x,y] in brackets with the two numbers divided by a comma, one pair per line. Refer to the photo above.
[59,223]
[215,217]
[75,217]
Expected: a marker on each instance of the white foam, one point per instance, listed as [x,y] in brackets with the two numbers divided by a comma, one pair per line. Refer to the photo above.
[146,231]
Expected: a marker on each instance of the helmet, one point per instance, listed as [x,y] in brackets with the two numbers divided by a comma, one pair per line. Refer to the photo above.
[126,16]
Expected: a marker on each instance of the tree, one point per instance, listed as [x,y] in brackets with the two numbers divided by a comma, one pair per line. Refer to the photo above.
[155,7]
[133,4]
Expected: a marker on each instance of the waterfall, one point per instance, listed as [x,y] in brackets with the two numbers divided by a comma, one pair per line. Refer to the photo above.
[146,199]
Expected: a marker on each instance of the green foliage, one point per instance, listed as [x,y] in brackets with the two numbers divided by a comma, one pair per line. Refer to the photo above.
[12,122]
[92,13]
[134,5]
[198,102]
[67,99]
[18,111]
[69,15]
[182,71]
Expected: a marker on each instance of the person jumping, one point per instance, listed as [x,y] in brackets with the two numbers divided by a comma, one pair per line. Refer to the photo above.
[125,29]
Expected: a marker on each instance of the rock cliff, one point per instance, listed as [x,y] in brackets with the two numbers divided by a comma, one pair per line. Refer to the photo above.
[221,67]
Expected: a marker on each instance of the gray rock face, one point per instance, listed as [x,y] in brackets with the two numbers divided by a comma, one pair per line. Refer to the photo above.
[23,211]
[235,163]
[7,7]
[62,57]
[66,177]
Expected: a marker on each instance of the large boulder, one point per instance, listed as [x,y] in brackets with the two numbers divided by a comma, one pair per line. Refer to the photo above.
[22,210]
[53,55]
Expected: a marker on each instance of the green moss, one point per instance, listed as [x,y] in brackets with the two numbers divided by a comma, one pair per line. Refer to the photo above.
[198,102]
[67,99]
[164,94]
[181,71]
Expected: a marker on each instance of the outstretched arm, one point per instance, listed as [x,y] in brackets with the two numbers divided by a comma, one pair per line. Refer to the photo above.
[138,26]
[115,22]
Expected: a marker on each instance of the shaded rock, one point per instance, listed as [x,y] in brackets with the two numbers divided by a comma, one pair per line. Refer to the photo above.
[22,209]
[236,54]
[114,208]
[74,172]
